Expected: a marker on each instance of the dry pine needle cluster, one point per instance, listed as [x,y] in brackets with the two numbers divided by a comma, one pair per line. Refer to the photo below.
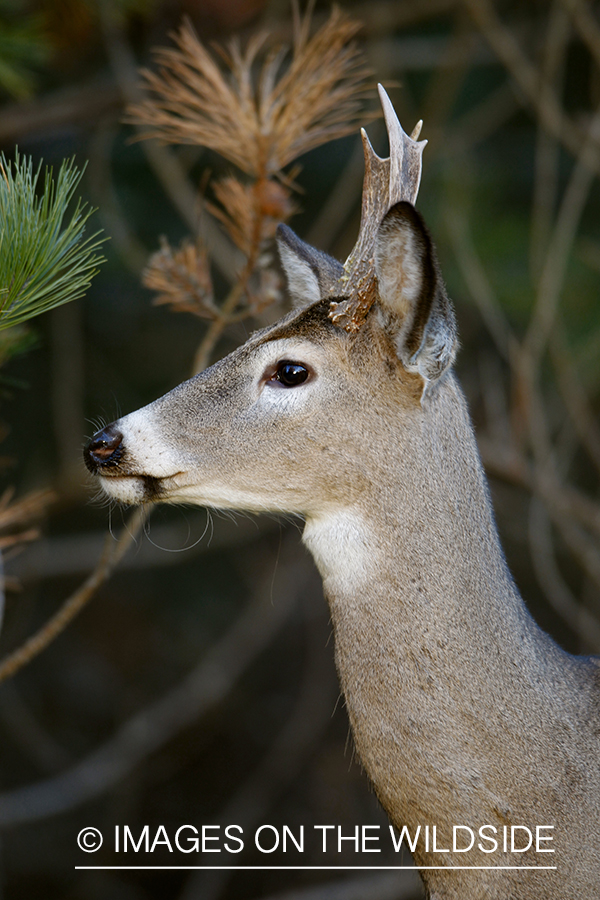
[260,107]
[261,123]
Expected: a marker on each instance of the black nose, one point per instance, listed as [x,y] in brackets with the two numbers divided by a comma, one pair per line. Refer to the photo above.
[104,450]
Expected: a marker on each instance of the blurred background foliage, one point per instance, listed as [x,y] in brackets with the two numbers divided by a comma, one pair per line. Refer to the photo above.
[123,719]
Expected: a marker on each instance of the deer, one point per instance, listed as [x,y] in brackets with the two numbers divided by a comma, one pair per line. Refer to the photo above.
[347,412]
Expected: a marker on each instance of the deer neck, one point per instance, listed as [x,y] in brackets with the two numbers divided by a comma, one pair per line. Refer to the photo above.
[438,658]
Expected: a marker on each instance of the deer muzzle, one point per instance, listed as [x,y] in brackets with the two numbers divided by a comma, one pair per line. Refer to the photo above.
[123,477]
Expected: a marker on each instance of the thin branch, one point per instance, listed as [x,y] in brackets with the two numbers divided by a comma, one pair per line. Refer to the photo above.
[508,462]
[495,397]
[568,509]
[65,107]
[547,151]
[586,25]
[560,247]
[341,201]
[102,187]
[163,161]
[528,80]
[287,754]
[216,328]
[449,73]
[478,283]
[204,688]
[576,401]
[556,591]
[480,121]
[113,551]
[76,554]
[582,546]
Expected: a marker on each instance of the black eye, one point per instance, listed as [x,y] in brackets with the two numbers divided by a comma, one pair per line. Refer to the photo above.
[290,374]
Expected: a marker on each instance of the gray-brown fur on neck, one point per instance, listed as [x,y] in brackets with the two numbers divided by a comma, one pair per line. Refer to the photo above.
[446,674]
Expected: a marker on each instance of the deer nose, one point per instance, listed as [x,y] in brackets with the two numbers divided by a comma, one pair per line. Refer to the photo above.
[104,449]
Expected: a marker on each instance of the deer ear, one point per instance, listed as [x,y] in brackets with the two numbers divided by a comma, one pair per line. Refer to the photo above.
[309,272]
[412,297]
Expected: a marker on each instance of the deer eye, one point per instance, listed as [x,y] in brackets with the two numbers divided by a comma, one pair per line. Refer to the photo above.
[290,374]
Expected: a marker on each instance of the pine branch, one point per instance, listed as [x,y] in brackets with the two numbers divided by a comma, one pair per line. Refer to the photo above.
[45,260]
[298,101]
[260,107]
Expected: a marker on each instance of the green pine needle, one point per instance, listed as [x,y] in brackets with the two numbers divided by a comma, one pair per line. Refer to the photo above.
[44,260]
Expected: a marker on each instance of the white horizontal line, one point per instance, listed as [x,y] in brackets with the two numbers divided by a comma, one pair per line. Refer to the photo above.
[314,868]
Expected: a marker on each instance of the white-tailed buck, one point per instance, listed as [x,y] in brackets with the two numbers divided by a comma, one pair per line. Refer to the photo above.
[347,413]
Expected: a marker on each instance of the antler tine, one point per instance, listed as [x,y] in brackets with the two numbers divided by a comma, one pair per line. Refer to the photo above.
[386,182]
[405,160]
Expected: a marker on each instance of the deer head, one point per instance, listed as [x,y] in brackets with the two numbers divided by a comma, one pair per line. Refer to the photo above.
[374,333]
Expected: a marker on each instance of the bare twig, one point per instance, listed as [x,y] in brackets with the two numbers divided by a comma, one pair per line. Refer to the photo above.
[76,554]
[341,201]
[446,81]
[67,106]
[125,242]
[560,246]
[17,513]
[480,121]
[507,461]
[495,398]
[279,766]
[113,551]
[30,736]
[164,163]
[584,548]
[216,329]
[528,80]
[206,686]
[586,24]
[556,590]
[576,402]
[478,283]
[567,508]
[547,146]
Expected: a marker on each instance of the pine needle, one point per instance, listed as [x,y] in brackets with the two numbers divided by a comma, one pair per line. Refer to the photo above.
[44,259]
[260,123]
[251,212]
[182,279]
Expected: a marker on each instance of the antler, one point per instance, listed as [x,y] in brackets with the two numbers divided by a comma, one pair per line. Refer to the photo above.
[386,182]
